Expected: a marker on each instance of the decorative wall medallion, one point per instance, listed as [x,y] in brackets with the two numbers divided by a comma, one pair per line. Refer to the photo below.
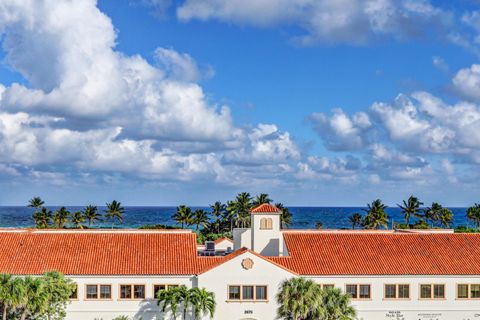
[247,263]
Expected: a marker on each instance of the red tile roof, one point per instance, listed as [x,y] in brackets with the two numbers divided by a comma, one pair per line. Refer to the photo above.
[264,208]
[365,253]
[100,252]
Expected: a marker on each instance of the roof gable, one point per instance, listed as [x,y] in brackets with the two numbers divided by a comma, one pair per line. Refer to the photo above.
[240,252]
[265,208]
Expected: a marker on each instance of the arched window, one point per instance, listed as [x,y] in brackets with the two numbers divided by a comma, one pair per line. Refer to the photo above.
[266,224]
[263,223]
[269,224]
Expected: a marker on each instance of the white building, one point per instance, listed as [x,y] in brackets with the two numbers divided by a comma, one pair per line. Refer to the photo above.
[391,275]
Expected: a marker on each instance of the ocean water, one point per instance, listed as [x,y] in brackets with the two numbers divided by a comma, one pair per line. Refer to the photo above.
[303,217]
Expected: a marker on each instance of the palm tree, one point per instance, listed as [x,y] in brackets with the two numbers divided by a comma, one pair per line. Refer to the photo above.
[167,299]
[203,302]
[173,298]
[114,210]
[35,299]
[445,217]
[218,211]
[43,218]
[261,199]
[11,293]
[473,214]
[355,219]
[433,213]
[242,205]
[60,217]
[200,217]
[91,214]
[183,215]
[410,208]
[35,203]
[298,298]
[337,305]
[285,216]
[376,216]
[78,219]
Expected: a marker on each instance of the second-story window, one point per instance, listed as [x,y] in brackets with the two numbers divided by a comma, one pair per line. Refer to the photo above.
[397,291]
[247,293]
[432,291]
[132,291]
[95,291]
[358,291]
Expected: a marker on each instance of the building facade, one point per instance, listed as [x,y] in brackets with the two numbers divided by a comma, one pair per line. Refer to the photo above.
[433,275]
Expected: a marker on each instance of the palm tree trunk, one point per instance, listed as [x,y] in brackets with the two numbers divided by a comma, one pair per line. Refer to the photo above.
[24,315]
[4,317]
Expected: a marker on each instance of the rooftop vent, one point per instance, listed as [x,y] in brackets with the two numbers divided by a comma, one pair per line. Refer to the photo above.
[210,246]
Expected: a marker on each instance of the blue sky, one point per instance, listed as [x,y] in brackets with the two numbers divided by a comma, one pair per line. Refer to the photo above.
[161,102]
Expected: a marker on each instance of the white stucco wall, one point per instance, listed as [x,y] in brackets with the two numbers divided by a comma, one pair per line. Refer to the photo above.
[242,238]
[267,242]
[414,308]
[224,244]
[265,273]
[147,309]
[232,273]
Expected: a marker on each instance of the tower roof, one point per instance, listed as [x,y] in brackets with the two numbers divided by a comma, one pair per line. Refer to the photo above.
[265,208]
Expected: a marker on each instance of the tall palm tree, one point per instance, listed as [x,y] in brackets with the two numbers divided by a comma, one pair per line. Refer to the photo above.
[218,212]
[184,216]
[473,214]
[203,302]
[445,217]
[78,219]
[432,213]
[36,203]
[261,199]
[91,214]
[298,298]
[10,294]
[242,205]
[337,305]
[200,218]
[60,217]
[285,216]
[410,208]
[43,218]
[355,219]
[114,211]
[376,216]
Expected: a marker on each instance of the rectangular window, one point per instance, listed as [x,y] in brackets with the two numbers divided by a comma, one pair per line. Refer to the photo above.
[139,291]
[328,286]
[247,292]
[74,294]
[403,291]
[364,291]
[475,291]
[438,291]
[92,291]
[234,292]
[426,291]
[351,289]
[261,293]
[125,292]
[105,291]
[390,291]
[462,291]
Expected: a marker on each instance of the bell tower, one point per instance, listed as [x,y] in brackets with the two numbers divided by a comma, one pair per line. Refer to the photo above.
[265,230]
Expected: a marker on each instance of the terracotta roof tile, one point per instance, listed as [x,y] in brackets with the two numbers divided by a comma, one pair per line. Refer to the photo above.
[264,208]
[100,253]
[324,253]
